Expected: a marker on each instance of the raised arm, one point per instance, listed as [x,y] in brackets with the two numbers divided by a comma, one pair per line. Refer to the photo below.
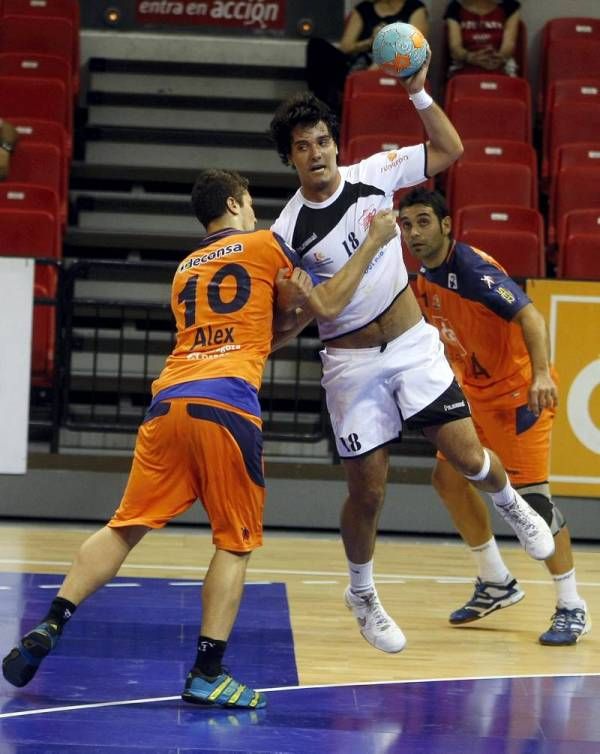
[444,145]
[543,392]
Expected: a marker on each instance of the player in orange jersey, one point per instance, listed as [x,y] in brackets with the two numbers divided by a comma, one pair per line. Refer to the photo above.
[497,344]
[201,436]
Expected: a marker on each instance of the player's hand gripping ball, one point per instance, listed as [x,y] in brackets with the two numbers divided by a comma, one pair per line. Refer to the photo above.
[400,49]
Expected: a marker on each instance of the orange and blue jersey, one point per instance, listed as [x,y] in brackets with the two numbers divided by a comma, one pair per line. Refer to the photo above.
[223,300]
[472,301]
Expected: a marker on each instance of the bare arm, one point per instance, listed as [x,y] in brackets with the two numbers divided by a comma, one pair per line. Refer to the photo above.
[420,20]
[444,146]
[509,37]
[349,43]
[327,300]
[543,392]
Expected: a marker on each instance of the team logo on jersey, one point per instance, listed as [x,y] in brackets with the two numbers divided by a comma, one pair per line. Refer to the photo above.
[224,251]
[435,302]
[488,280]
[366,218]
[506,294]
[452,281]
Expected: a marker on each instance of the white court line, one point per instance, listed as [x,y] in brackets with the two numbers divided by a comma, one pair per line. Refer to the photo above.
[388,578]
[321,582]
[151,700]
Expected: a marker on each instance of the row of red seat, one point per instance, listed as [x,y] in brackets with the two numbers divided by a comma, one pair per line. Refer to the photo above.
[39,82]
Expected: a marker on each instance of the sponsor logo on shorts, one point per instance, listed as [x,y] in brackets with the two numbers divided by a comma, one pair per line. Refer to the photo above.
[224,251]
[452,406]
[488,280]
[506,294]
[452,281]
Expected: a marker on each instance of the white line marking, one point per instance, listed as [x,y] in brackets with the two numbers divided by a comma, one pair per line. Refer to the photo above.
[321,582]
[388,578]
[186,583]
[150,700]
[118,585]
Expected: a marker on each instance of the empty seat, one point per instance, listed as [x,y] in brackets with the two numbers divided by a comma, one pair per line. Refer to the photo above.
[481,183]
[570,122]
[517,251]
[43,339]
[579,257]
[491,118]
[576,60]
[39,164]
[573,188]
[379,113]
[42,99]
[487,86]
[28,233]
[47,36]
[34,65]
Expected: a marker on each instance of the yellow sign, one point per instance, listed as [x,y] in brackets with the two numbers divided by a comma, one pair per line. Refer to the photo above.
[572,311]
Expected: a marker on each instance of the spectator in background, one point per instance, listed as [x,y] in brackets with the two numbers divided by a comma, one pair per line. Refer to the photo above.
[482,36]
[328,65]
[8,139]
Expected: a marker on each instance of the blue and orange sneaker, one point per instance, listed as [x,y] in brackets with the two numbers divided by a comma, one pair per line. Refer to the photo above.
[223,691]
[21,663]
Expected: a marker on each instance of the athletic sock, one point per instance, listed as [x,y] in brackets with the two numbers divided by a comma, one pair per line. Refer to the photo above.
[489,561]
[61,611]
[504,496]
[209,656]
[361,576]
[565,585]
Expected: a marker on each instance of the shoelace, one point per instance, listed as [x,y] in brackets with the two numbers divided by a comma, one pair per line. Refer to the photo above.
[563,619]
[380,619]
[515,512]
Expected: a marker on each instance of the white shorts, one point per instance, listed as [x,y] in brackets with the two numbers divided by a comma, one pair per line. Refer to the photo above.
[371,392]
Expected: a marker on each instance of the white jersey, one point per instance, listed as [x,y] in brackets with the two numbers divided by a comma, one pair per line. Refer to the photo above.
[325,234]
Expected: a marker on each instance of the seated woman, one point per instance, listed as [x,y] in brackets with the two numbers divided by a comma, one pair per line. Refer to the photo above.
[482,36]
[327,65]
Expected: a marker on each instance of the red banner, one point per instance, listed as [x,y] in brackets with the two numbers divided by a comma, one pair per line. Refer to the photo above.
[242,14]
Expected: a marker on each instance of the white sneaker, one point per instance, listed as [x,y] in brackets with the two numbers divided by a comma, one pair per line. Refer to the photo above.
[531,529]
[376,626]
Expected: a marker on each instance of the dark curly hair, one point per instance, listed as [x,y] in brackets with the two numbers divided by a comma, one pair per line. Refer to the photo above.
[432,199]
[212,189]
[302,109]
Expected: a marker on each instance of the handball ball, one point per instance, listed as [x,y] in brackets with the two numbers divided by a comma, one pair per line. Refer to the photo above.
[400,49]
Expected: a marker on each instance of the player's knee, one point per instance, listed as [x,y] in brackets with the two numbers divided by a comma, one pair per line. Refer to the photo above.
[475,469]
[544,506]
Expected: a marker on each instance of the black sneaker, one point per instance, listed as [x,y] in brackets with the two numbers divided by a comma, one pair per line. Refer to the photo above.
[567,627]
[21,663]
[487,598]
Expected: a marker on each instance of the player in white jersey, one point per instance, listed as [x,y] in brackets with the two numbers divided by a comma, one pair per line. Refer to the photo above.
[383,365]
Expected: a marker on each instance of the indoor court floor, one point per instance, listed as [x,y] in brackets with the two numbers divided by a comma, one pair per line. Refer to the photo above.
[112,685]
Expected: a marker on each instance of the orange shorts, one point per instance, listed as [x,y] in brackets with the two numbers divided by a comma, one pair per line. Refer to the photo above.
[519,438]
[190,449]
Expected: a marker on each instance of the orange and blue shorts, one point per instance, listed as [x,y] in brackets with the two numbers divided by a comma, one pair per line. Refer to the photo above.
[189,449]
[519,438]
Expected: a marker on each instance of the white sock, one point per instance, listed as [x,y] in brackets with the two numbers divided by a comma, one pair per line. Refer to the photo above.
[566,590]
[490,565]
[361,576]
[504,496]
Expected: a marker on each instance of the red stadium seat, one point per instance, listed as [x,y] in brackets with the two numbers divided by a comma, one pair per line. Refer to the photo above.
[37,66]
[487,86]
[494,151]
[482,183]
[21,197]
[579,257]
[513,235]
[579,154]
[28,233]
[570,122]
[573,188]
[578,60]
[372,81]
[52,36]
[579,222]
[379,113]
[39,165]
[42,99]
[363,146]
[491,118]
[517,251]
